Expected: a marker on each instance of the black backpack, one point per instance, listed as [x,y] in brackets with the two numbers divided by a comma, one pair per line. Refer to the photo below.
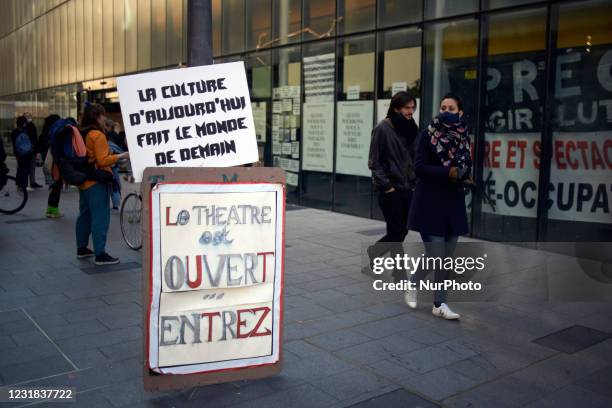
[74,169]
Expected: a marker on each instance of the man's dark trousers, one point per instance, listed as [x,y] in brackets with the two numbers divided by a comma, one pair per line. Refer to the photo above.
[394,206]
[23,169]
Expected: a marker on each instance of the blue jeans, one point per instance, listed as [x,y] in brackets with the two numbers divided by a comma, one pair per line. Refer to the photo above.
[436,246]
[94,217]
[116,194]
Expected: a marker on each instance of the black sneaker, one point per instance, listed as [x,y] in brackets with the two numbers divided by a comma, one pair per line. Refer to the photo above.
[105,259]
[35,185]
[83,253]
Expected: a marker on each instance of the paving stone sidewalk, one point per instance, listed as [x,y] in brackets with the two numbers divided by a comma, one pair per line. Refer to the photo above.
[64,323]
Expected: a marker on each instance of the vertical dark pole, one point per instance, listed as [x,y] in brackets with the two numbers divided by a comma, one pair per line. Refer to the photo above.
[199,32]
[479,130]
[546,151]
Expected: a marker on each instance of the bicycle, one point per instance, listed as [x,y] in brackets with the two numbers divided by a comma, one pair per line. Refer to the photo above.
[12,197]
[130,216]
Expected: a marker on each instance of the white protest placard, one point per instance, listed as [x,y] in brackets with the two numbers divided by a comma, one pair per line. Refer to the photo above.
[354,129]
[318,136]
[216,276]
[189,117]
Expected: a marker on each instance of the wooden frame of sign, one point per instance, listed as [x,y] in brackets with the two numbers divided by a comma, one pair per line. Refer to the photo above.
[230,177]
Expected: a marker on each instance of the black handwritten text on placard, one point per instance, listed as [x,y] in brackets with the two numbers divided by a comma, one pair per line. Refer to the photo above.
[180,111]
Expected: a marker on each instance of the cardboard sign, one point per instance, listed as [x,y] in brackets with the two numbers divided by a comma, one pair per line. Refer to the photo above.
[190,117]
[215,270]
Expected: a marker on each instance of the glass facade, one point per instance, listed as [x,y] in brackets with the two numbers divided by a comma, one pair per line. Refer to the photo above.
[535,77]
[57,53]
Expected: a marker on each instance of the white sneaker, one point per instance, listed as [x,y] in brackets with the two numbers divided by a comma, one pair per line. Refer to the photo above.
[410,297]
[445,312]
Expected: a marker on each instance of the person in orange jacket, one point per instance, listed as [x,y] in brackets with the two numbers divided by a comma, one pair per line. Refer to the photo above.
[94,197]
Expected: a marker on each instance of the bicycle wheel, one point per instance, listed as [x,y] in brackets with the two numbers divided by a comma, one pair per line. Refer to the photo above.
[131,221]
[12,198]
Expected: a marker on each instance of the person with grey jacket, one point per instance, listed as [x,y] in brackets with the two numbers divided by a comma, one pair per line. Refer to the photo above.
[391,162]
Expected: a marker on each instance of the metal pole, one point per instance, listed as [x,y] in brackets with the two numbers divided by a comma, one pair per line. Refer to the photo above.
[199,33]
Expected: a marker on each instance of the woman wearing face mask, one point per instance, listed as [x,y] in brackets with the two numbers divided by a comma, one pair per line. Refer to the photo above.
[391,162]
[443,165]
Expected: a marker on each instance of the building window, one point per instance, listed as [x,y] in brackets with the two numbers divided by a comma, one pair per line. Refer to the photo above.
[287,22]
[259,77]
[233,26]
[446,8]
[354,123]
[492,4]
[317,147]
[259,24]
[580,190]
[512,121]
[399,64]
[216,27]
[451,62]
[286,134]
[356,15]
[319,19]
[397,12]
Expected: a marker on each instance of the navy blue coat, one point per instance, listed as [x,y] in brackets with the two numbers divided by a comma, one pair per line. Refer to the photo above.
[438,203]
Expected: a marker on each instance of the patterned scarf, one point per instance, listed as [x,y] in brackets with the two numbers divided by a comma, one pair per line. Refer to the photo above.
[451,143]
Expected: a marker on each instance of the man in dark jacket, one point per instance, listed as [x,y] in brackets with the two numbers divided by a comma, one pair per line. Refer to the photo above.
[33,133]
[24,160]
[391,162]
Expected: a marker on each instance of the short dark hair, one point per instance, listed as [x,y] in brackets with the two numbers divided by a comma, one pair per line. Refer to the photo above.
[454,97]
[399,100]
[21,121]
[91,113]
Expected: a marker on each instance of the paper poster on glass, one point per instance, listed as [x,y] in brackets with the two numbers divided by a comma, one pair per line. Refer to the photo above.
[318,136]
[259,117]
[353,134]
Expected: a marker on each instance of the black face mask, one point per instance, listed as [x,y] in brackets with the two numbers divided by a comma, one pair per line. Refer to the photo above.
[404,127]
